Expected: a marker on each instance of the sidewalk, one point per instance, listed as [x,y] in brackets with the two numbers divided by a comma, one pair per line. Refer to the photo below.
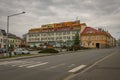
[37,55]
[24,57]
[32,56]
[108,69]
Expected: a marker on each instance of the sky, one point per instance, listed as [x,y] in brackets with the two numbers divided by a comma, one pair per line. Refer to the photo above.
[95,13]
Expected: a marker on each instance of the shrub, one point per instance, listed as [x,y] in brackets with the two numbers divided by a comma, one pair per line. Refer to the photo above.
[64,47]
[48,51]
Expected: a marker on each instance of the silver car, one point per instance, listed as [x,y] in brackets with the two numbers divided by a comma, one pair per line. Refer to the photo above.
[21,51]
[3,50]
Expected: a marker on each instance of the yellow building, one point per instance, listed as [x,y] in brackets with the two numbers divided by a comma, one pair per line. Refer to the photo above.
[14,41]
[92,38]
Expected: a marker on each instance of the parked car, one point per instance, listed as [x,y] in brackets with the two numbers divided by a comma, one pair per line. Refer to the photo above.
[21,51]
[3,50]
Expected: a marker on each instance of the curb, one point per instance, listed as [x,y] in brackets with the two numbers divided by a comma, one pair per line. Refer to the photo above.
[37,55]
[24,57]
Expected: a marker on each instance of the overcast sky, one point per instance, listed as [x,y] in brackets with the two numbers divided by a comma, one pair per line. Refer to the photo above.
[95,13]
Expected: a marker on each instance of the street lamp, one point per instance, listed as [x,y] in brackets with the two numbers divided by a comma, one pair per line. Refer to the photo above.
[8,25]
[8,20]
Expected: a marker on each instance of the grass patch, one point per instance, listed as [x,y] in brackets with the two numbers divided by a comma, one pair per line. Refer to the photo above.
[19,55]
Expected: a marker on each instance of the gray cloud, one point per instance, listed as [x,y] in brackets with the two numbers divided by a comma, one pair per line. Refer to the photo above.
[96,13]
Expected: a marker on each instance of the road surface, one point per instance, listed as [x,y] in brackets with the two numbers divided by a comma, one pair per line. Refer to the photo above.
[57,67]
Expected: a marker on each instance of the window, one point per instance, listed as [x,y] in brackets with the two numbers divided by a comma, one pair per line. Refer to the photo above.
[29,35]
[97,38]
[68,32]
[4,40]
[92,37]
[59,33]
[73,32]
[73,37]
[68,37]
[56,33]
[60,37]
[64,37]
[102,38]
[64,33]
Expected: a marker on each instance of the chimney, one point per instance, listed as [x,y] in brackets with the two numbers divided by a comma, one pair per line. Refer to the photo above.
[99,29]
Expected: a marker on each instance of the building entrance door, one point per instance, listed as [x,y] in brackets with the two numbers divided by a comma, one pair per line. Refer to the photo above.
[97,45]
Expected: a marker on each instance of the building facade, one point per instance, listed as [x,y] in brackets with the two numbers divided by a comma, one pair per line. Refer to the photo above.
[57,34]
[93,38]
[14,41]
[3,38]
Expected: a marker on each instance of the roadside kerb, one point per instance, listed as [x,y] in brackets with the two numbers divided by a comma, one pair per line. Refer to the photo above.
[25,57]
[37,55]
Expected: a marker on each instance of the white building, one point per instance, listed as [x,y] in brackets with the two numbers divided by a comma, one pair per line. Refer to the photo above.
[3,38]
[57,34]
[55,38]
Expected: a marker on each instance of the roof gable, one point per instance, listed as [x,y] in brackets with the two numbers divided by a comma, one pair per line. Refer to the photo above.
[89,30]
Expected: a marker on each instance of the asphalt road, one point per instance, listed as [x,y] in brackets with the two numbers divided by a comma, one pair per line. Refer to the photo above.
[107,68]
[56,67]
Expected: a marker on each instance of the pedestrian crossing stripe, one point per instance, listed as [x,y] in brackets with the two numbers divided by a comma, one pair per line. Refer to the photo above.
[36,65]
[26,64]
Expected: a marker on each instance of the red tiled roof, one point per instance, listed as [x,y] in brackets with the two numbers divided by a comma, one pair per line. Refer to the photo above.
[93,31]
[88,29]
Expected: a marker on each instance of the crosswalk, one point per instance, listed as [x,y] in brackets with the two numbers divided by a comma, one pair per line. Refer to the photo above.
[21,63]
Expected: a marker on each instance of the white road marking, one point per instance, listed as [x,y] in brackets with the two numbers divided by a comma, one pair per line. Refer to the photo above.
[97,62]
[77,68]
[20,63]
[24,65]
[57,66]
[3,63]
[31,66]
[9,62]
[71,65]
[28,64]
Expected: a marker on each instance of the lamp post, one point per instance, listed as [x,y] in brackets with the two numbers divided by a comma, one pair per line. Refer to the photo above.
[8,26]
[8,20]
